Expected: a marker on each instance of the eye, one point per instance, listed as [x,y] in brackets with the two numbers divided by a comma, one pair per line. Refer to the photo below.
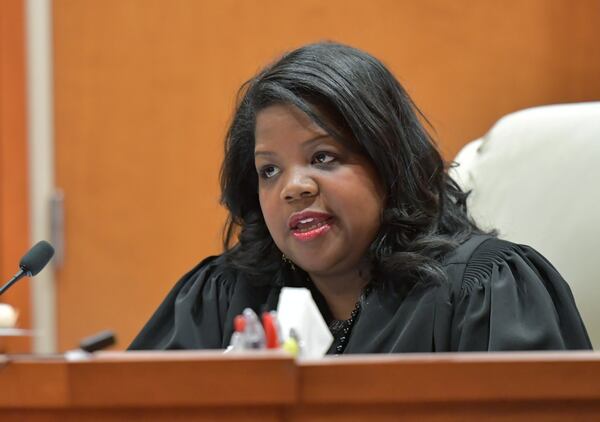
[268,171]
[323,157]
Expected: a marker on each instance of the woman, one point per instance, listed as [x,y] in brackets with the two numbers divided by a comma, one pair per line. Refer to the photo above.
[332,183]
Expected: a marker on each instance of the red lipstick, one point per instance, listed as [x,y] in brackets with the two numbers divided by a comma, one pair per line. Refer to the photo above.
[308,225]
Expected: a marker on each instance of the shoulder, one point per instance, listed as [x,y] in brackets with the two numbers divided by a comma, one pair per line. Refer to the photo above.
[214,267]
[211,277]
[214,264]
[507,296]
[484,258]
[199,310]
[475,259]
[470,248]
[216,279]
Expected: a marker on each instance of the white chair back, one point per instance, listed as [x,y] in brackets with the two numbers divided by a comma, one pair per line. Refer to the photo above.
[535,176]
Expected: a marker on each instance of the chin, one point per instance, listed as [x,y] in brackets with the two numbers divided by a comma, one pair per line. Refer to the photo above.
[312,267]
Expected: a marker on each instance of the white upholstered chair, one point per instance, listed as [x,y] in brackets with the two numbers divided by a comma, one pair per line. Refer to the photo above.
[535,176]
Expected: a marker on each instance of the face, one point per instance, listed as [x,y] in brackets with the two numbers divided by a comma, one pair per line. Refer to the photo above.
[322,202]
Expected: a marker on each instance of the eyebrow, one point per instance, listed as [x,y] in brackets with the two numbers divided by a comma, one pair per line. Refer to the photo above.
[305,144]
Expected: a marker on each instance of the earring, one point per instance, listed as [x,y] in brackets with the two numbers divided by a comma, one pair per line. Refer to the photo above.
[288,261]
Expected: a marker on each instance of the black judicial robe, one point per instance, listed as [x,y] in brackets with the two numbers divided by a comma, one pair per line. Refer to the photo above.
[498,296]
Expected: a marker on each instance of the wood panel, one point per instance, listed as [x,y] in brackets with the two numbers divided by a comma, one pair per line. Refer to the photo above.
[150,386]
[272,386]
[475,377]
[144,90]
[450,387]
[14,216]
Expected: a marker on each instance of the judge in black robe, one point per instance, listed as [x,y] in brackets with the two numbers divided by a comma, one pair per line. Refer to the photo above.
[498,296]
[327,131]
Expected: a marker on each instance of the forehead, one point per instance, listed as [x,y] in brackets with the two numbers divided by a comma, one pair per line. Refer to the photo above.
[284,122]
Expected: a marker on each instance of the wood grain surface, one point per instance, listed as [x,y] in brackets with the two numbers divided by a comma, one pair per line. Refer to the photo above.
[213,386]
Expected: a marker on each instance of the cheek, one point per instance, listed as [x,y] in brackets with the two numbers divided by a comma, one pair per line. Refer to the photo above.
[363,206]
[269,208]
[264,205]
[361,189]
[365,215]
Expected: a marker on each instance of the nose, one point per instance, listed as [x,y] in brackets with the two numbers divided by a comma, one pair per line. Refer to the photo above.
[299,185]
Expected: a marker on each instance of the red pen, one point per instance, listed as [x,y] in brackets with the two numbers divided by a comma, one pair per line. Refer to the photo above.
[271,337]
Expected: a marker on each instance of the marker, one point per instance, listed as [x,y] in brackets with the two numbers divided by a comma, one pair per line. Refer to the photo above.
[271,338]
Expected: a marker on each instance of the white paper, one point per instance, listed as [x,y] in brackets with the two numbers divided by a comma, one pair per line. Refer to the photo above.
[297,309]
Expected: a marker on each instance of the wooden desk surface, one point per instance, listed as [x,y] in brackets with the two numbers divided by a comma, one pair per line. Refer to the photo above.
[272,386]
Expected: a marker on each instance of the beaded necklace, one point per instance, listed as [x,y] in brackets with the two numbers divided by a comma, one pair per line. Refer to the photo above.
[343,328]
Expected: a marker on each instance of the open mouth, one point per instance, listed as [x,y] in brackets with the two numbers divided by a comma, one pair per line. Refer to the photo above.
[309,228]
[310,223]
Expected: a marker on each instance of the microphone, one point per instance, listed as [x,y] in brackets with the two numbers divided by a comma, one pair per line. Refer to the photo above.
[32,263]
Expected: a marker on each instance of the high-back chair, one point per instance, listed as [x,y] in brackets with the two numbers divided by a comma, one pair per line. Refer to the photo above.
[535,177]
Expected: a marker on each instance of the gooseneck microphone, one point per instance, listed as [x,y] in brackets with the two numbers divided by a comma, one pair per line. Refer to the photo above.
[32,263]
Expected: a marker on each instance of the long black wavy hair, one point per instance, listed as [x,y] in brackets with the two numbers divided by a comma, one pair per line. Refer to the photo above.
[356,99]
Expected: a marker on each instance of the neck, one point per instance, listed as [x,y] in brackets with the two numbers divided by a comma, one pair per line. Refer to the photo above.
[341,291]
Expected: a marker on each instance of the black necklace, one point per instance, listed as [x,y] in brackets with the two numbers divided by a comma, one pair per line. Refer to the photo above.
[343,328]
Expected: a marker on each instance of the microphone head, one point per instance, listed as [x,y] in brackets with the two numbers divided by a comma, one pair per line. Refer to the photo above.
[36,259]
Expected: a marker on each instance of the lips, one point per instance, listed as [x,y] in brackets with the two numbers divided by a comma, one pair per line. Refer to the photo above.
[307,225]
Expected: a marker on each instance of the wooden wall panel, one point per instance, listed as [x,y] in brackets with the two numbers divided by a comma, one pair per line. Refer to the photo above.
[144,90]
[14,216]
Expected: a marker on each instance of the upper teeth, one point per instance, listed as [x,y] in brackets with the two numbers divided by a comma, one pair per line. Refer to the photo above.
[306,220]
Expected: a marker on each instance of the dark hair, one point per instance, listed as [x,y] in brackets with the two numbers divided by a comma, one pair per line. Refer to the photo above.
[356,99]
